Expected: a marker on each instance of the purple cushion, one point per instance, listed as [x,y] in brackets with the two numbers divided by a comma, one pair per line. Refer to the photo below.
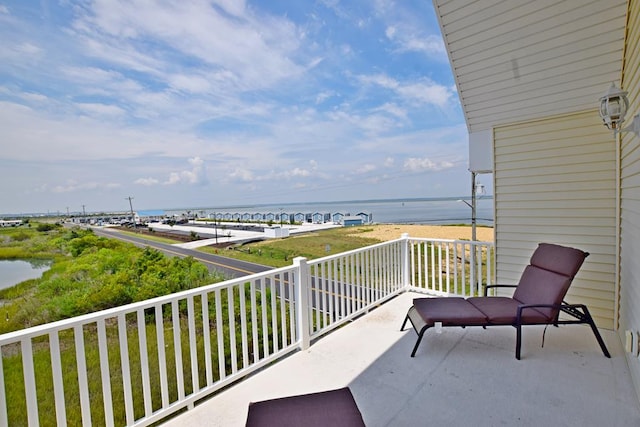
[538,286]
[560,259]
[453,311]
[504,310]
[328,408]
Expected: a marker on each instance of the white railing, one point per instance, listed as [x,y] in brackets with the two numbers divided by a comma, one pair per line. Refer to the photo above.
[450,267]
[137,364]
[347,285]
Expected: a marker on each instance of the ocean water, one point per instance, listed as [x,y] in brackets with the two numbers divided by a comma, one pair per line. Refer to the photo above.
[397,211]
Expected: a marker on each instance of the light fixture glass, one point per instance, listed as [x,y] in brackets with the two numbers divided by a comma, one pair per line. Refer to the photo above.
[613,107]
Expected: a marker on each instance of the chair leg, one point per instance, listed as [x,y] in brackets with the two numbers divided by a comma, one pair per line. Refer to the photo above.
[591,323]
[420,335]
[405,322]
[518,340]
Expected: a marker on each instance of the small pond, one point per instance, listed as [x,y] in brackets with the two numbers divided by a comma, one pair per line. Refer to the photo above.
[13,272]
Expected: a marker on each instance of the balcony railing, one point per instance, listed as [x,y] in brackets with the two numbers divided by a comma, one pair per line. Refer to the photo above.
[140,363]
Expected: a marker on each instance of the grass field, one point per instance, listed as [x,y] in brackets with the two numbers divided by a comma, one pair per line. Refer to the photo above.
[280,252]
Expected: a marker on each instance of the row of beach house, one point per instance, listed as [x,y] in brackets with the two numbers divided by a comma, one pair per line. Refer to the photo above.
[143,217]
[344,218]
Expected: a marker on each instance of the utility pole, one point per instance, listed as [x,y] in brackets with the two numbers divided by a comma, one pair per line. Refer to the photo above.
[215,226]
[133,219]
[84,215]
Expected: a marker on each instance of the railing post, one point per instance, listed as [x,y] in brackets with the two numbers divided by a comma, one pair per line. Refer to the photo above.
[473,268]
[473,280]
[302,288]
[405,260]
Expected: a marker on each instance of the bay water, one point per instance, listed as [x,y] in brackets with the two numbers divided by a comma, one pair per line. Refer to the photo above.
[396,211]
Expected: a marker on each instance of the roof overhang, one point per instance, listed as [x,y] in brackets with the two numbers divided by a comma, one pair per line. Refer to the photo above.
[520,60]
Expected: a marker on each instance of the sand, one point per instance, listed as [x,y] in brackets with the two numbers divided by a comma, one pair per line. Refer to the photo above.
[386,232]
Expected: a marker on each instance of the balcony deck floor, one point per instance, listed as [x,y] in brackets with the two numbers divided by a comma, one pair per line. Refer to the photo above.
[461,377]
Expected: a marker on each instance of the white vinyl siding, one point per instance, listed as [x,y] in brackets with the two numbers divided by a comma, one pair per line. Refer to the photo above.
[522,60]
[555,182]
[630,195]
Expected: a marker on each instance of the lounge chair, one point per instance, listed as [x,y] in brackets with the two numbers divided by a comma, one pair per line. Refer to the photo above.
[537,300]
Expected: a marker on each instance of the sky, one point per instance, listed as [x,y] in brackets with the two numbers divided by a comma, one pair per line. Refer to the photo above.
[214,103]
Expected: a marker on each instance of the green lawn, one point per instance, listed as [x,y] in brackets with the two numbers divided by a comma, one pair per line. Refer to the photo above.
[280,252]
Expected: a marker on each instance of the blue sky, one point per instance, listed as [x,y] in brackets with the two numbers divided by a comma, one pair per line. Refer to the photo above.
[198,103]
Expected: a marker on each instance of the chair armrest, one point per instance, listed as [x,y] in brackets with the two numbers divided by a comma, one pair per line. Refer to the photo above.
[486,288]
[577,311]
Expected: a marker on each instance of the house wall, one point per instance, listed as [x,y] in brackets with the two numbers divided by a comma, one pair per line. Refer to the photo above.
[630,193]
[555,182]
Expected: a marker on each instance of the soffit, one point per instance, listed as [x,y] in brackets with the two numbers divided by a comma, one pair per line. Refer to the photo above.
[518,60]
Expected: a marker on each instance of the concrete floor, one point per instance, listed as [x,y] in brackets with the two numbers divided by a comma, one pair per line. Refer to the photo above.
[460,377]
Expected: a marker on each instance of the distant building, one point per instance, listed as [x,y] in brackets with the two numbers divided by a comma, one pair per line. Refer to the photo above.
[349,221]
[276,232]
[142,217]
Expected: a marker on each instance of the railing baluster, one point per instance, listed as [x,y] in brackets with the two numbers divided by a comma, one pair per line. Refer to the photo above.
[144,362]
[177,348]
[387,269]
[58,383]
[283,312]
[358,282]
[330,293]
[83,385]
[29,381]
[243,327]
[254,323]
[222,372]
[232,328]
[126,368]
[292,304]
[274,313]
[104,373]
[264,324]
[440,287]
[193,347]
[325,295]
[206,334]
[4,416]
[162,357]
[316,295]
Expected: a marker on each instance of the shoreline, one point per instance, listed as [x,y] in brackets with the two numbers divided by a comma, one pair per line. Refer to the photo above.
[390,231]
[379,231]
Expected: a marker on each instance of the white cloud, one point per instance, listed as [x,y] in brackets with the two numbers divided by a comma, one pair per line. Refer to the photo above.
[365,168]
[423,91]
[192,84]
[415,164]
[97,109]
[147,182]
[432,44]
[255,50]
[72,186]
[241,175]
[194,176]
[394,110]
[390,32]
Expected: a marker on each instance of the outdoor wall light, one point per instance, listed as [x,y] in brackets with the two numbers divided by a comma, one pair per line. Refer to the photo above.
[613,107]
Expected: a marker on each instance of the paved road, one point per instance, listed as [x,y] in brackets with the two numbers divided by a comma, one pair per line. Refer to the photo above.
[230,267]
